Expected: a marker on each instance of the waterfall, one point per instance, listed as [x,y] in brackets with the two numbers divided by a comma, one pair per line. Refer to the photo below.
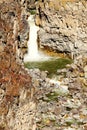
[32,44]
[33,53]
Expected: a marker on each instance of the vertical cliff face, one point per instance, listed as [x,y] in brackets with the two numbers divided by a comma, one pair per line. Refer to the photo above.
[14,17]
[63,25]
[15,83]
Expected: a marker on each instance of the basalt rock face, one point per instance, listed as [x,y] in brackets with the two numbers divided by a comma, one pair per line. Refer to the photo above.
[15,82]
[63,25]
[12,14]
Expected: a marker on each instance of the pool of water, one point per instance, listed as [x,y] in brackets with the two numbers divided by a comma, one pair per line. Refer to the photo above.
[51,65]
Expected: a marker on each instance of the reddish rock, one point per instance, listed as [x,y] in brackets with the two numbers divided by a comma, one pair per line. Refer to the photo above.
[12,76]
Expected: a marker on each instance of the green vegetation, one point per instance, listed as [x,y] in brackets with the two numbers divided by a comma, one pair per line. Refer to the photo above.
[32,12]
[51,65]
[52,96]
[73,121]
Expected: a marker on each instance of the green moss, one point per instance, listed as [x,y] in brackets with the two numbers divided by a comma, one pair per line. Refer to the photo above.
[74,121]
[51,65]
[32,12]
[80,123]
[69,123]
[52,96]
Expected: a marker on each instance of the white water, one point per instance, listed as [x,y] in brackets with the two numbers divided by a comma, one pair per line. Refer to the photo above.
[33,53]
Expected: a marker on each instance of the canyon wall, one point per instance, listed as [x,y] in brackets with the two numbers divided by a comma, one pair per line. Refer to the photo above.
[15,82]
[63,29]
[63,25]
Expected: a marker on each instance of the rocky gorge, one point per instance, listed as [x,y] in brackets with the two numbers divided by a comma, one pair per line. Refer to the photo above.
[29,100]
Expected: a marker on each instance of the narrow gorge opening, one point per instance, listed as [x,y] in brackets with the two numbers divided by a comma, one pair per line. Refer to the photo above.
[37,59]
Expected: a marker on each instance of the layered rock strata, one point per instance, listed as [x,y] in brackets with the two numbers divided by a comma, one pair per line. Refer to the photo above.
[63,25]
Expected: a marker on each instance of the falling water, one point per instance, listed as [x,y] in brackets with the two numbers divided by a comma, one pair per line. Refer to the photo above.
[33,53]
[32,43]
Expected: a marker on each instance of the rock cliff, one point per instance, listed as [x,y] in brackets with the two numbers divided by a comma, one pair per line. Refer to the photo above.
[63,29]
[15,82]
[63,25]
